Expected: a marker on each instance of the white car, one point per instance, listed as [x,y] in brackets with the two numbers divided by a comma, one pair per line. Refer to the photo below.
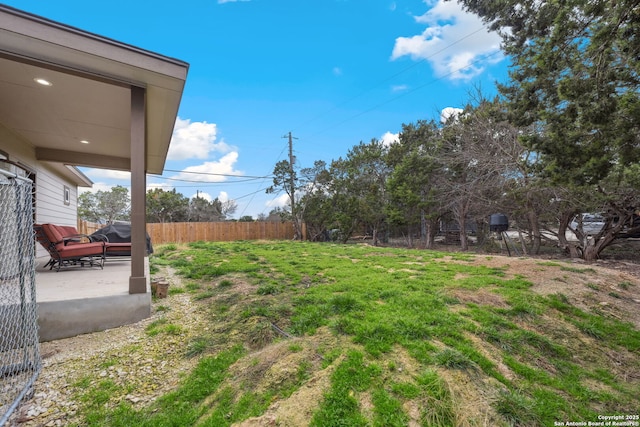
[591,223]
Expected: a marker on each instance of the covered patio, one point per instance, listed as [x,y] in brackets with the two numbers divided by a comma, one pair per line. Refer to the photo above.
[73,98]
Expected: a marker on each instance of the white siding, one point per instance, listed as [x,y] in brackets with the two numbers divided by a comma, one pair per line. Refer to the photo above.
[50,206]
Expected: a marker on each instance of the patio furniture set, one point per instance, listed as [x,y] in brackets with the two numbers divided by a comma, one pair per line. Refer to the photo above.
[67,247]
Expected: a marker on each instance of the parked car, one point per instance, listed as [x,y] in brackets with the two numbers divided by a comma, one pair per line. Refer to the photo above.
[591,223]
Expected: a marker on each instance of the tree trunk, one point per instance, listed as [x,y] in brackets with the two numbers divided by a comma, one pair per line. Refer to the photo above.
[523,244]
[430,234]
[464,244]
[297,229]
[410,236]
[590,253]
[424,238]
[562,235]
[536,238]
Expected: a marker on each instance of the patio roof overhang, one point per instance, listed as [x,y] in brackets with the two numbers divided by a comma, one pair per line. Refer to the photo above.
[107,105]
[90,94]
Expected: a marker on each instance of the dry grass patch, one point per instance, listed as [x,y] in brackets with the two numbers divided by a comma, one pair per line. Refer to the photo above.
[482,296]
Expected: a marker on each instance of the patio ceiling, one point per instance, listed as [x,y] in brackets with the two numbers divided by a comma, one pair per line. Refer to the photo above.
[89,98]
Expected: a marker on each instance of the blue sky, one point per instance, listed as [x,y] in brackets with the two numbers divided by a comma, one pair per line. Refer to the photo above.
[332,72]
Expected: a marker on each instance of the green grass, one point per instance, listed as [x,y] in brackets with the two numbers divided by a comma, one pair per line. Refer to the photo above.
[178,408]
[197,346]
[388,330]
[162,326]
[625,285]
[340,406]
[577,270]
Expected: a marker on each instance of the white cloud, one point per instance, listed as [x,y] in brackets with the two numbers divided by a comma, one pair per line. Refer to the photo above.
[449,112]
[455,42]
[202,195]
[222,196]
[279,202]
[230,1]
[214,171]
[194,140]
[337,71]
[389,138]
[97,186]
[96,174]
[399,88]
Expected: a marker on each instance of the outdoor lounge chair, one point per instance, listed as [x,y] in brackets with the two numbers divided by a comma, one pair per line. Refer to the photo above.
[66,249]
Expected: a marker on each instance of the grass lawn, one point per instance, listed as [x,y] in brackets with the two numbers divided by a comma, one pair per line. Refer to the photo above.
[331,335]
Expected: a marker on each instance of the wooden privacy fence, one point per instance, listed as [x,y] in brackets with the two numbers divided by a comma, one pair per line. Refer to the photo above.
[185,232]
[86,227]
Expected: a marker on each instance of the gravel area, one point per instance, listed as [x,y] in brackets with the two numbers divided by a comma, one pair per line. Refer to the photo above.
[151,365]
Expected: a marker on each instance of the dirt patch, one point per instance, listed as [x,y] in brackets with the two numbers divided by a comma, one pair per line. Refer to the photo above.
[610,288]
[472,395]
[489,352]
[478,296]
[275,366]
[297,409]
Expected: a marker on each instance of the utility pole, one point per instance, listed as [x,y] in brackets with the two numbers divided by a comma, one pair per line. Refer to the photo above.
[294,214]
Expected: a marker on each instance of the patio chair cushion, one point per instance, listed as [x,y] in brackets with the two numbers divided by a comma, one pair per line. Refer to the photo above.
[80,250]
[117,249]
[54,233]
[52,237]
[64,235]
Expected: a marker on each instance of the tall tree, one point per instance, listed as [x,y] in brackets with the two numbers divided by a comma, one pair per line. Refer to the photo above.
[203,210]
[471,170]
[166,206]
[412,185]
[107,206]
[316,203]
[576,76]
[285,179]
[227,208]
[359,188]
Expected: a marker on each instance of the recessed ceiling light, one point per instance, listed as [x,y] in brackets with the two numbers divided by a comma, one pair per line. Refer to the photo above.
[43,82]
[84,141]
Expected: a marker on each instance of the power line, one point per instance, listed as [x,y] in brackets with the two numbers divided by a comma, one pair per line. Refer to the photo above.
[250,194]
[216,174]
[404,70]
[237,181]
[291,157]
[361,113]
[261,183]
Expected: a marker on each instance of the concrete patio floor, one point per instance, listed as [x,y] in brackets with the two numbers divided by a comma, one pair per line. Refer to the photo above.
[78,300]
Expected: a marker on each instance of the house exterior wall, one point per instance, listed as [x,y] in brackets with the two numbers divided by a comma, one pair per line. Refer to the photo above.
[50,186]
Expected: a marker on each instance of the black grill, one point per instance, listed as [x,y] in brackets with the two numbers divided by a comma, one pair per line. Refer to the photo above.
[498,223]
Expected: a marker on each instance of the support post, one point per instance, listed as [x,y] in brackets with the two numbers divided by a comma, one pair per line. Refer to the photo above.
[138,280]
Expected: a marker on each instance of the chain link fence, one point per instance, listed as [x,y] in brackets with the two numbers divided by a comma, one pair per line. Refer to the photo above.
[19,352]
